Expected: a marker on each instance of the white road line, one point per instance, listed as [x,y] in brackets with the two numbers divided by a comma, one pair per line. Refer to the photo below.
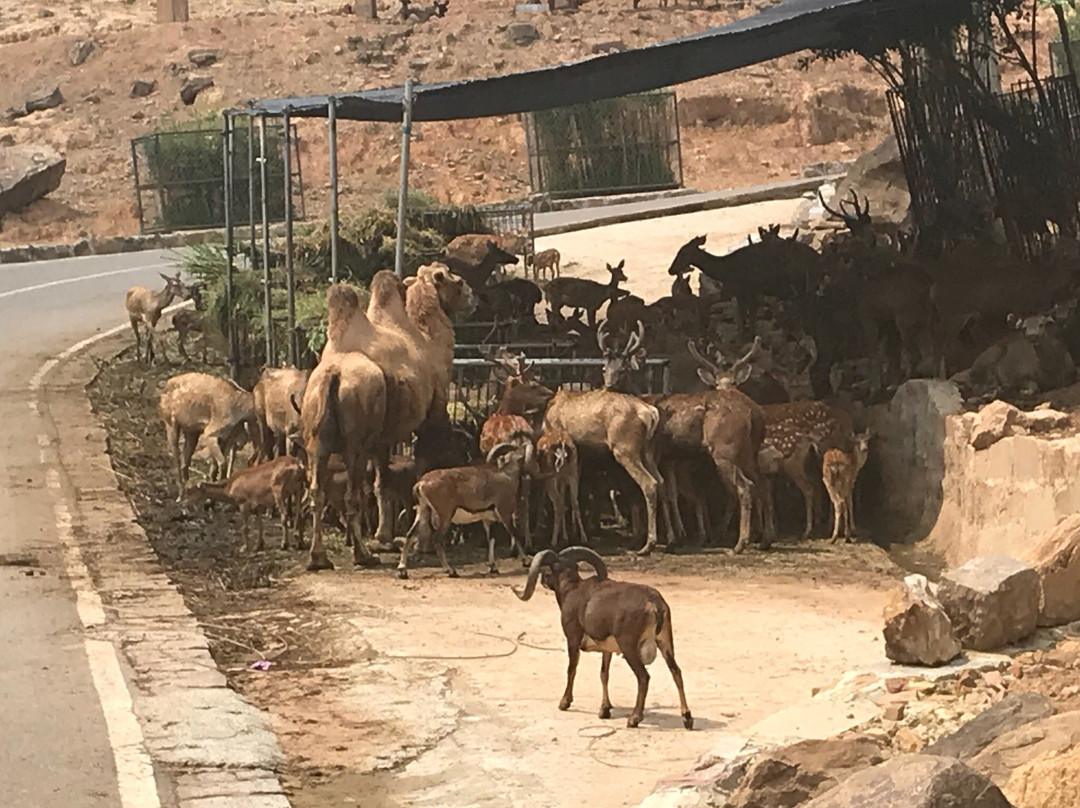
[79,278]
[134,768]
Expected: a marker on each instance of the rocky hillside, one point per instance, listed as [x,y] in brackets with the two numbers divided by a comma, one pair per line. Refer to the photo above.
[120,75]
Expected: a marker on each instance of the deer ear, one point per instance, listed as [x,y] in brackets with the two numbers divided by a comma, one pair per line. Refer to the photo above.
[742,374]
[707,377]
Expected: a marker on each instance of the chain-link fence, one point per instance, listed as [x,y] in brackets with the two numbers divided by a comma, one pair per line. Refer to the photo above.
[179,178]
[617,145]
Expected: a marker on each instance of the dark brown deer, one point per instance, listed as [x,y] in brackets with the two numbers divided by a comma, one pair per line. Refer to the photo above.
[584,294]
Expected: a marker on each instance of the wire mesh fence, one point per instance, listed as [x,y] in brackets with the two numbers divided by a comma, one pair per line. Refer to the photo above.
[475,391]
[612,146]
[178,178]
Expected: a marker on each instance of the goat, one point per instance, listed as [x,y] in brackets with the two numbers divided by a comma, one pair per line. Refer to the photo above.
[585,294]
[621,424]
[145,306]
[558,460]
[468,494]
[612,617]
[219,410]
[544,262]
[840,470]
[278,483]
[275,396]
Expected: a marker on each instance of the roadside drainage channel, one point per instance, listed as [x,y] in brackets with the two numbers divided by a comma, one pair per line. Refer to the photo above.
[208,746]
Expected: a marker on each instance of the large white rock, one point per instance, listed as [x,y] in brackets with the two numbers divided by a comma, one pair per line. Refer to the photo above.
[992,601]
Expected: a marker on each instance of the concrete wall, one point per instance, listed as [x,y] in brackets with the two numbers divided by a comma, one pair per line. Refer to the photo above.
[1000,499]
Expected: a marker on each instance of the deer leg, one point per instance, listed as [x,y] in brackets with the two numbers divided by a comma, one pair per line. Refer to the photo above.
[138,341]
[575,509]
[259,526]
[172,439]
[284,511]
[795,468]
[838,513]
[639,473]
[420,527]
[440,546]
[605,669]
[743,488]
[677,533]
[191,441]
[850,525]
[665,642]
[555,496]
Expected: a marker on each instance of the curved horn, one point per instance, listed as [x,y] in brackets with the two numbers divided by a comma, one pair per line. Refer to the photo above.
[497,450]
[701,360]
[547,557]
[635,340]
[589,556]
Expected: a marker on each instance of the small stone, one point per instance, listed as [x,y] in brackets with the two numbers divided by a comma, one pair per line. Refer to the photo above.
[992,423]
[895,684]
[80,51]
[46,99]
[141,88]
[994,679]
[138,115]
[894,712]
[313,58]
[7,139]
[192,87]
[45,13]
[522,33]
[204,57]
[969,678]
[907,741]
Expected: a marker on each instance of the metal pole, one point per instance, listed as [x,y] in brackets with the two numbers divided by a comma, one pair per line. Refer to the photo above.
[403,184]
[227,148]
[268,310]
[331,112]
[251,186]
[289,279]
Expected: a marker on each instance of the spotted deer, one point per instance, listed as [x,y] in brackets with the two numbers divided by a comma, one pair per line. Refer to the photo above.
[559,467]
[839,470]
[544,262]
[792,432]
[145,306]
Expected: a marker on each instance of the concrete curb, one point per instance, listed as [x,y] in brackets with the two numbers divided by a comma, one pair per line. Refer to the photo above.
[107,246]
[209,747]
[677,206]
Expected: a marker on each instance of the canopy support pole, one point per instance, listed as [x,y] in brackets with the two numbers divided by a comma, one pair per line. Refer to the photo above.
[267,305]
[251,189]
[228,124]
[403,184]
[331,114]
[290,279]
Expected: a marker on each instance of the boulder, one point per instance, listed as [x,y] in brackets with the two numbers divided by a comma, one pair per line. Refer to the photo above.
[27,173]
[141,88]
[1055,556]
[1006,754]
[1009,714]
[914,781]
[1044,419]
[192,87]
[992,423]
[45,99]
[522,33]
[793,774]
[992,601]
[1050,781]
[917,629]
[204,57]
[80,51]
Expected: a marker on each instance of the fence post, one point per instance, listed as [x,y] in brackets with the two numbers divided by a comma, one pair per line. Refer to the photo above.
[290,279]
[267,304]
[138,191]
[227,155]
[403,184]
[331,114]
[251,186]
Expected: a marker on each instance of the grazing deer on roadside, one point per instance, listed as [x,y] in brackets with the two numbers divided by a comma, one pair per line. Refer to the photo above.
[840,469]
[584,294]
[145,306]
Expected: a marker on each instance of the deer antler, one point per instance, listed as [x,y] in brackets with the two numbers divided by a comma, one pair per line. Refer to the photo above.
[701,360]
[754,349]
[602,338]
[862,212]
[635,340]
[839,214]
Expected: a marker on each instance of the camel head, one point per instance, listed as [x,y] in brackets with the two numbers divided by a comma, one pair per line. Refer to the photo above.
[455,295]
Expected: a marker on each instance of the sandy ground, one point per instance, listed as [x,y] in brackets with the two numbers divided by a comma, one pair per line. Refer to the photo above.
[438,692]
[649,246]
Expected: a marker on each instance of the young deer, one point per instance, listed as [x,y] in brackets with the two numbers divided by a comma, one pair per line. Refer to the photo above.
[585,294]
[559,467]
[145,306]
[544,262]
[840,470]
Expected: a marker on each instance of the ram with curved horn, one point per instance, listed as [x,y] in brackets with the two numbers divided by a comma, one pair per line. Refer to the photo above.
[461,496]
[611,617]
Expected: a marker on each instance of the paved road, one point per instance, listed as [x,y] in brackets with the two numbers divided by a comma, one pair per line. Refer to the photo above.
[54,745]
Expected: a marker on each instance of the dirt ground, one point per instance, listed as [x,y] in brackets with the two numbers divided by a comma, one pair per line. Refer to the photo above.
[438,692]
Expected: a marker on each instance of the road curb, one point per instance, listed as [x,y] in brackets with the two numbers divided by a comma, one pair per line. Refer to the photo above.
[209,747]
[107,246]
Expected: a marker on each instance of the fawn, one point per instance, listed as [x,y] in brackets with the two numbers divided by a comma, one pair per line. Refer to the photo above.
[839,470]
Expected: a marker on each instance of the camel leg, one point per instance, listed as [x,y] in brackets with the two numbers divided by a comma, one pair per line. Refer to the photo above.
[384,533]
[354,495]
[639,473]
[317,557]
[605,670]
